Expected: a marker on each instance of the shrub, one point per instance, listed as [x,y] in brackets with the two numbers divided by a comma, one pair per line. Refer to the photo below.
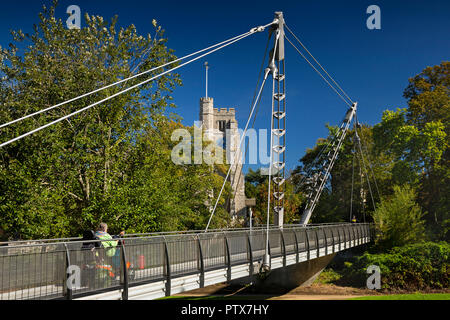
[399,219]
[411,267]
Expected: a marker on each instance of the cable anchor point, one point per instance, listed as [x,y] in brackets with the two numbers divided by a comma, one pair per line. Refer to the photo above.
[257,29]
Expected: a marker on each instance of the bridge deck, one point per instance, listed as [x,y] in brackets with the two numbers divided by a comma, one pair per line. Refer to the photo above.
[164,265]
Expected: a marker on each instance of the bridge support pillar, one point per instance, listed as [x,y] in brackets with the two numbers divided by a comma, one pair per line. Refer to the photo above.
[288,278]
[293,276]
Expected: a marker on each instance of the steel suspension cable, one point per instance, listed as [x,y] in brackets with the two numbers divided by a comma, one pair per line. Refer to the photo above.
[362,190]
[367,175]
[370,165]
[123,91]
[325,178]
[257,106]
[319,64]
[238,150]
[132,77]
[308,168]
[353,182]
[274,71]
[319,73]
[270,172]
[306,49]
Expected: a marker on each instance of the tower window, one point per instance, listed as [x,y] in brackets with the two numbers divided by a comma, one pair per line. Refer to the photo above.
[222,124]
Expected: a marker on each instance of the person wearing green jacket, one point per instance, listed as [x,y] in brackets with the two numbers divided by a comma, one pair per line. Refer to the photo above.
[110,247]
[102,234]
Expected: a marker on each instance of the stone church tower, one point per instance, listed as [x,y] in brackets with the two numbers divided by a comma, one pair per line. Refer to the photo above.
[220,125]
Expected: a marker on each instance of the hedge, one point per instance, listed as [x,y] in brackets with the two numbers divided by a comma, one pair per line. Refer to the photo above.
[411,267]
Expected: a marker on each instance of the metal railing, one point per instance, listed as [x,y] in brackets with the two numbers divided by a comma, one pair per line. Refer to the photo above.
[46,270]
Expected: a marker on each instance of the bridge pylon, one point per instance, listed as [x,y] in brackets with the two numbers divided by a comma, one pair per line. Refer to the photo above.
[326,162]
[278,129]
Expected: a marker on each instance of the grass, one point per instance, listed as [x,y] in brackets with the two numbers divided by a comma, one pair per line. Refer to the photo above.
[213,298]
[413,296]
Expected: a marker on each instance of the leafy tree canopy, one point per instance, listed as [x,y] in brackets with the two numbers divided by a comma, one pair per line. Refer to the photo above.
[111,163]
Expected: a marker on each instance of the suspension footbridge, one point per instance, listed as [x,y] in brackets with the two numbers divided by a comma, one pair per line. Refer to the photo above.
[149,266]
[159,265]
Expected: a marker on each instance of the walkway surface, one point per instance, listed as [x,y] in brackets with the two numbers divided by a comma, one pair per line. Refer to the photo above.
[312,292]
[323,292]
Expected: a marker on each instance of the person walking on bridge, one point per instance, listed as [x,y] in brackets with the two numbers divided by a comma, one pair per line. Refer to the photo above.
[110,247]
[102,234]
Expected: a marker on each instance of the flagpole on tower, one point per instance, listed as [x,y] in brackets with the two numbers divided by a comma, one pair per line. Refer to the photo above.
[207,67]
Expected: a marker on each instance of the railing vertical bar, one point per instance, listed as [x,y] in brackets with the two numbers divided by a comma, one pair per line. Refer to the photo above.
[339,238]
[270,253]
[68,290]
[228,257]
[350,236]
[296,247]
[358,232]
[283,247]
[308,255]
[202,263]
[317,242]
[23,273]
[364,233]
[344,229]
[40,273]
[124,272]
[249,254]
[354,236]
[333,249]
[167,268]
[2,275]
[9,276]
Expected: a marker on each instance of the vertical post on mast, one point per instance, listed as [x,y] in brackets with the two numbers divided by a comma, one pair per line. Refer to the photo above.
[278,131]
[279,124]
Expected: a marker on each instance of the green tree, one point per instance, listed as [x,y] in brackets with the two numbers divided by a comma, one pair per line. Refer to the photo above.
[357,177]
[428,95]
[110,163]
[257,186]
[417,139]
[159,195]
[408,146]
[73,166]
[398,219]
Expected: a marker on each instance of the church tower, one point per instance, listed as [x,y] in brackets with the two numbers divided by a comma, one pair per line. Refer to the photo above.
[220,126]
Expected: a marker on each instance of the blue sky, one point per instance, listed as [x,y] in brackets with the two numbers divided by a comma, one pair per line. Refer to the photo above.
[372,66]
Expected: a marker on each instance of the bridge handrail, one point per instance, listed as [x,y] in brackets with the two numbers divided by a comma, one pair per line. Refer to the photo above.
[41,242]
[131,235]
[26,272]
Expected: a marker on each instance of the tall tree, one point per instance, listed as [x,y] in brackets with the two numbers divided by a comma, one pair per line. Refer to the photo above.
[417,138]
[257,186]
[109,163]
[357,179]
